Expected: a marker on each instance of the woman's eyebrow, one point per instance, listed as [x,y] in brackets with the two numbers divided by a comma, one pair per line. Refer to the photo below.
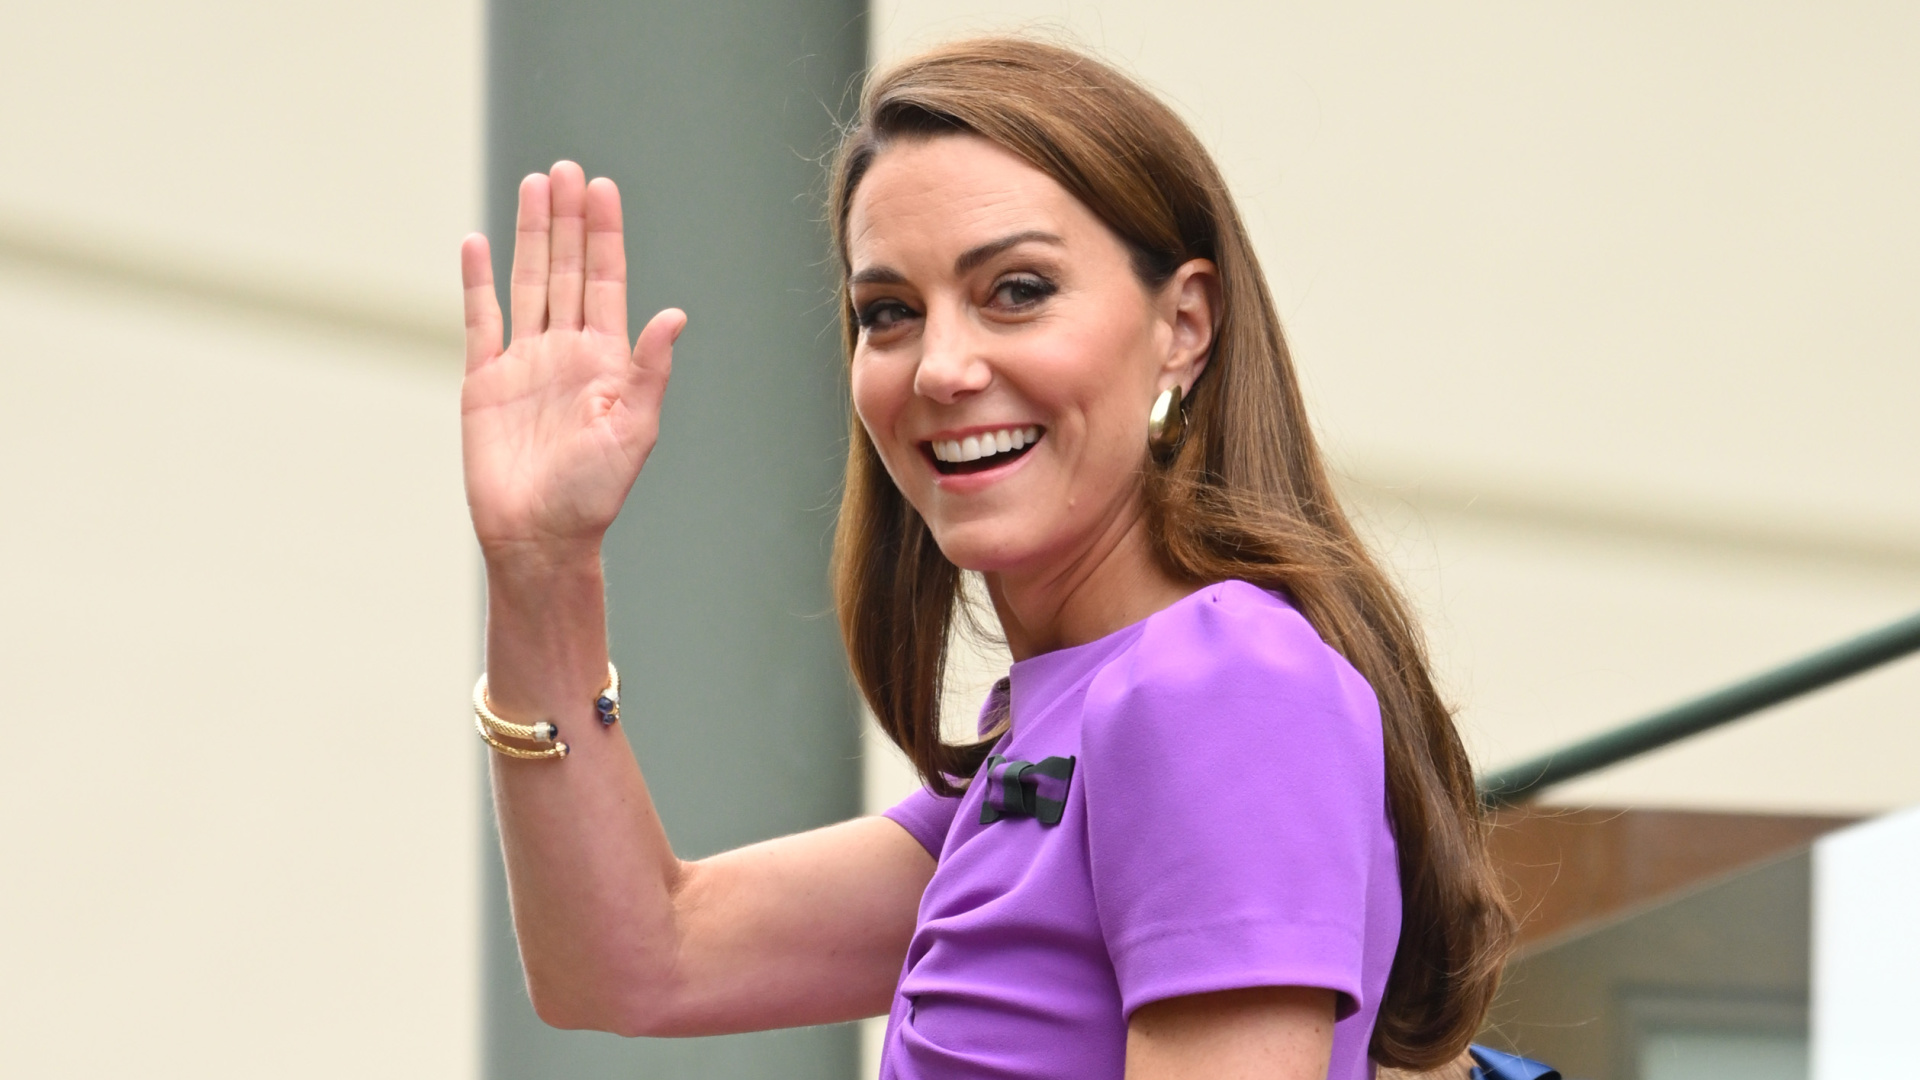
[878,275]
[973,257]
[969,259]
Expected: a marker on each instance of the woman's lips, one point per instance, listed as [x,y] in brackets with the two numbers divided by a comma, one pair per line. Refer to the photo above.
[981,450]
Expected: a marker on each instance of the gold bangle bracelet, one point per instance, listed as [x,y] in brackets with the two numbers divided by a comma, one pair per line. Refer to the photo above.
[607,705]
[493,729]
[544,731]
[557,750]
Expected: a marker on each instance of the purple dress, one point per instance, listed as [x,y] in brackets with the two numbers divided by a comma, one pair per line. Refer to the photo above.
[1196,802]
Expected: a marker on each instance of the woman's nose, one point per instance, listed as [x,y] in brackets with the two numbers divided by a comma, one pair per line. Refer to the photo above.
[951,364]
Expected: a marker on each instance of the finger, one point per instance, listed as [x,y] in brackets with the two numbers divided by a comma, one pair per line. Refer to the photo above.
[483,307]
[565,276]
[530,253]
[606,288]
[653,358]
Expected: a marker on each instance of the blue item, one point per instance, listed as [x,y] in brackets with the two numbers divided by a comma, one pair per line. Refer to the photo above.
[1490,1064]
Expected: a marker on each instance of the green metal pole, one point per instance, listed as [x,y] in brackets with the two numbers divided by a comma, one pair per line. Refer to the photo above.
[1520,781]
[712,117]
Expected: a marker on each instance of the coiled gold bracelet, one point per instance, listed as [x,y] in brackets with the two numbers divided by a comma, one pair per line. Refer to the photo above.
[493,729]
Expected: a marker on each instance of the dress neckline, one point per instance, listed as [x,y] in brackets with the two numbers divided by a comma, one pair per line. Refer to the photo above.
[1039,680]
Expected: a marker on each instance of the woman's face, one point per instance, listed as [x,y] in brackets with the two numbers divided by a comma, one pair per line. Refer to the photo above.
[1008,354]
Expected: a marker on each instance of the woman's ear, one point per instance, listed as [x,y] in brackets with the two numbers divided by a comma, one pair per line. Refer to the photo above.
[1190,302]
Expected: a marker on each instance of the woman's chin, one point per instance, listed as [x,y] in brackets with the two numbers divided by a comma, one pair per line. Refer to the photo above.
[982,546]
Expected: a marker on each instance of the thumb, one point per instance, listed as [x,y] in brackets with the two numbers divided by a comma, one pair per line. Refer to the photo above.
[653,354]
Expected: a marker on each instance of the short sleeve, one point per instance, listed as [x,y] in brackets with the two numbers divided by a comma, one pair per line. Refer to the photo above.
[926,817]
[1236,806]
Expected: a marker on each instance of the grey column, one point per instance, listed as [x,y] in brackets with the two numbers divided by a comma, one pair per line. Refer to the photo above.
[713,117]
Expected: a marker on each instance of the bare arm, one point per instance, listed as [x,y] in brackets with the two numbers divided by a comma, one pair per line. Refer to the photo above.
[616,932]
[1264,1033]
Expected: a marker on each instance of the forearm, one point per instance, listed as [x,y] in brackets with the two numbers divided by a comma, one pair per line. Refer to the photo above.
[590,872]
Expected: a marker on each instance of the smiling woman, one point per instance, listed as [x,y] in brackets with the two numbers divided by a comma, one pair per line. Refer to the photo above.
[1013,309]
[1218,823]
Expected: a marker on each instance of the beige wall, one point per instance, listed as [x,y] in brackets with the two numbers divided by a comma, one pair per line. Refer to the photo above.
[238,600]
[1605,316]
[325,154]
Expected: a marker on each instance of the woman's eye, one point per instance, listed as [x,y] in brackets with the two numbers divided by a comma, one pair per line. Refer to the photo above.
[884,315]
[1019,292]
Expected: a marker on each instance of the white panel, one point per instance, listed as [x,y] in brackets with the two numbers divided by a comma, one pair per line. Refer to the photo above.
[238,616]
[1866,948]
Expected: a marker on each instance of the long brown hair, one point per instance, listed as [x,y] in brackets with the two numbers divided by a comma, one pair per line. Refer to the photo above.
[1246,496]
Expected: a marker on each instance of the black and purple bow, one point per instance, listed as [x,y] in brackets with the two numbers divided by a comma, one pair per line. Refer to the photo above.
[1035,789]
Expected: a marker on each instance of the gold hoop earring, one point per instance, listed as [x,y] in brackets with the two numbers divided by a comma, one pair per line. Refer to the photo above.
[1166,424]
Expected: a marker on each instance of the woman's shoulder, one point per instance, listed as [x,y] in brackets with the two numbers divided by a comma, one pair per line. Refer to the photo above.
[1229,627]
[1231,650]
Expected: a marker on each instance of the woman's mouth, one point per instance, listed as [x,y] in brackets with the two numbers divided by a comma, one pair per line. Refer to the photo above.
[981,451]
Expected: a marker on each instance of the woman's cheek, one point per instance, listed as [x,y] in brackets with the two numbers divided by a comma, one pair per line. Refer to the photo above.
[878,404]
[870,400]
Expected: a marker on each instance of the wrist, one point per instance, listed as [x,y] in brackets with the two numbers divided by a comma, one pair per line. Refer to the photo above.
[540,562]
[546,629]
[550,598]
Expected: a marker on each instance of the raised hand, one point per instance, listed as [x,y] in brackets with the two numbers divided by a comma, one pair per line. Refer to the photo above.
[628,937]
[555,426]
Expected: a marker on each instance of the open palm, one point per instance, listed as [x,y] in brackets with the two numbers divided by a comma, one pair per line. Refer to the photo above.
[556,425]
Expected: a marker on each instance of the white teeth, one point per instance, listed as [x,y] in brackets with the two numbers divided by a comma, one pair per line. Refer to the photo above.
[975,447]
